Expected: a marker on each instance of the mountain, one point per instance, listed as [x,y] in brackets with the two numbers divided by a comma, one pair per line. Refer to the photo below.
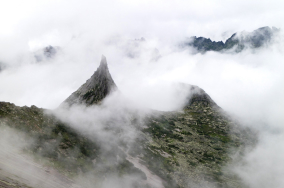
[66,151]
[255,39]
[193,145]
[95,89]
[186,148]
[46,53]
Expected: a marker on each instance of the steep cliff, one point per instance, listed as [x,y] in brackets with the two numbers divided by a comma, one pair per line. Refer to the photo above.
[95,89]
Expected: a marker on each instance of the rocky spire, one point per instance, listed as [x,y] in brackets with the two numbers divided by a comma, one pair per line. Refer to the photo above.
[95,89]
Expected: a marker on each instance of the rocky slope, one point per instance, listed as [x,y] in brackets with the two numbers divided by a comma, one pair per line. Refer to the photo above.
[65,149]
[173,149]
[95,89]
[239,41]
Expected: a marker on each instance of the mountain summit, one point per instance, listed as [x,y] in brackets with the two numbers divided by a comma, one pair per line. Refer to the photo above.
[198,97]
[95,89]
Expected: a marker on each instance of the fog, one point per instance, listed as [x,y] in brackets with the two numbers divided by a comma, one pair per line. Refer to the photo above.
[247,85]
[19,168]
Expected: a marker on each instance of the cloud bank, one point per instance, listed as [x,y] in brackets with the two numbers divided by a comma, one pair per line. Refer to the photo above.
[248,85]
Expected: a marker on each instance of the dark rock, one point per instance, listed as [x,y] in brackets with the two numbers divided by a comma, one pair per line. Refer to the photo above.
[46,53]
[203,44]
[49,51]
[254,39]
[198,95]
[95,89]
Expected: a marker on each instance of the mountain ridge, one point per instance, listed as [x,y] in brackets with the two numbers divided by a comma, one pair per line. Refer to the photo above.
[255,39]
[182,148]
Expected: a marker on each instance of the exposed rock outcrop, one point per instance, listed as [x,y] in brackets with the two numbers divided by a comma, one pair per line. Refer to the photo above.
[198,95]
[95,89]
[255,39]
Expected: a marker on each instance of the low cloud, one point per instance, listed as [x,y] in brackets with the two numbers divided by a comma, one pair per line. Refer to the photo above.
[248,85]
[19,167]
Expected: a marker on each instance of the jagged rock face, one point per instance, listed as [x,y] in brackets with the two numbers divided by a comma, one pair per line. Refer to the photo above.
[255,39]
[95,89]
[203,44]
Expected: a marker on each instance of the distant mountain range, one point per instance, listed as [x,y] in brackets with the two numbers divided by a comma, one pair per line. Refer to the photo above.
[238,41]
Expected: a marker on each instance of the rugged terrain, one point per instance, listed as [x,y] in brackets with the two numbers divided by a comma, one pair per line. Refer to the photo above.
[238,41]
[95,89]
[187,148]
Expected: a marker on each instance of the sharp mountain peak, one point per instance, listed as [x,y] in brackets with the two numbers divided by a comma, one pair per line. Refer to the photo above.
[101,84]
[95,89]
[103,64]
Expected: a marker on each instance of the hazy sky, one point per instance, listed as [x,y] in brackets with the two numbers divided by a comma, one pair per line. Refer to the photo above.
[87,29]
[248,85]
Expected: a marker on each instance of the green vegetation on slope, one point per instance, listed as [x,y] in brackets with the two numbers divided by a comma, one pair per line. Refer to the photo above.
[64,148]
[192,147]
